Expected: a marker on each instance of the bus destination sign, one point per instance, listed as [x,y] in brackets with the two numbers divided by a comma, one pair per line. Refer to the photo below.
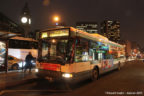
[55,33]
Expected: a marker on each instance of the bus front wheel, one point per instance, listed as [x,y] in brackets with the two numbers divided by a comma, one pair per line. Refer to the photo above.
[95,74]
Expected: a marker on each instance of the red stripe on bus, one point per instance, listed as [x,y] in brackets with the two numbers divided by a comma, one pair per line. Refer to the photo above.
[50,66]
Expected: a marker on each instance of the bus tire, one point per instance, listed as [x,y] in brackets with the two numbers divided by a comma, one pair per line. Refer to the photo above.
[95,74]
[119,66]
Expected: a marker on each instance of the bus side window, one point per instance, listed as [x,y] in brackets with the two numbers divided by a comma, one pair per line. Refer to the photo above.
[93,49]
[91,54]
[95,55]
[81,54]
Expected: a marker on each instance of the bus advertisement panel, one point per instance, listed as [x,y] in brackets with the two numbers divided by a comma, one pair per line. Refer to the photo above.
[2,54]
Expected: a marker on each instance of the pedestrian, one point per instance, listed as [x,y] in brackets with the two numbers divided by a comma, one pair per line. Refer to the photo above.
[28,61]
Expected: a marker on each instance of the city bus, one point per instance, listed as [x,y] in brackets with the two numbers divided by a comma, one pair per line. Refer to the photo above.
[70,54]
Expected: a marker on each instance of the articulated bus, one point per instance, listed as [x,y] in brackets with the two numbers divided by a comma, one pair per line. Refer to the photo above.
[70,54]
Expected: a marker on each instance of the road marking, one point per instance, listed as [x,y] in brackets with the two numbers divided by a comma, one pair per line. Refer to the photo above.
[50,91]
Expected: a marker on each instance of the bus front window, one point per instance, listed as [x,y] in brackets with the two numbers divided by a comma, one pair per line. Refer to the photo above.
[56,50]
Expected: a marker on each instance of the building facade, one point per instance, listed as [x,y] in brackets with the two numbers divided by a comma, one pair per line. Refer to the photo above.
[111,30]
[133,49]
[8,29]
[90,27]
[8,25]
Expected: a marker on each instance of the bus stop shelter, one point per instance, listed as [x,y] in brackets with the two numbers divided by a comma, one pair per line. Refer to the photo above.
[4,42]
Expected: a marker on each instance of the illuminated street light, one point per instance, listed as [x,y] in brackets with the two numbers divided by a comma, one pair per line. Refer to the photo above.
[57,24]
[56,18]
[53,41]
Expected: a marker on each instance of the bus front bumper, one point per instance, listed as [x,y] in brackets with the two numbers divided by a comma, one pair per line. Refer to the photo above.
[54,75]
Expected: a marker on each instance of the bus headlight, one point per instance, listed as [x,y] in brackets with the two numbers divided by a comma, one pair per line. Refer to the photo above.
[67,75]
[36,70]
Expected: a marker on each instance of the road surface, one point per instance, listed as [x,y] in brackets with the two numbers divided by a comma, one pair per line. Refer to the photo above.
[129,81]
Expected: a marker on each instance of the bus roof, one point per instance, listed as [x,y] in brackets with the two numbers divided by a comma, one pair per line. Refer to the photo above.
[93,36]
[49,29]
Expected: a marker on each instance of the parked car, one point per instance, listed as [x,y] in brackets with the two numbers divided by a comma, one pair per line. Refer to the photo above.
[15,63]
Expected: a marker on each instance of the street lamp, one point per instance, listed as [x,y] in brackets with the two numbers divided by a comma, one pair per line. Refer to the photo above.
[56,19]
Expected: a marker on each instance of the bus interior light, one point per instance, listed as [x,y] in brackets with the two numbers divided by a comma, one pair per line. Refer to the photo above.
[53,41]
[67,75]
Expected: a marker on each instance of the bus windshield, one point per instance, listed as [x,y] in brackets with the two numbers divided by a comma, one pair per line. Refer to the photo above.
[57,51]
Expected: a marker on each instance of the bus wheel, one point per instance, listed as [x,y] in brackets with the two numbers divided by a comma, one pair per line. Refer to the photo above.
[119,66]
[95,74]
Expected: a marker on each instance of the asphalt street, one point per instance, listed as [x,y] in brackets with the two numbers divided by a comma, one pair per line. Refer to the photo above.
[129,81]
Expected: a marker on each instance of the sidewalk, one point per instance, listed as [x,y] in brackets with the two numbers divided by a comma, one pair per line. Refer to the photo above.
[15,78]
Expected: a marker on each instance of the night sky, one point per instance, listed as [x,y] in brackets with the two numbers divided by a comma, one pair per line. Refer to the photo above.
[130,13]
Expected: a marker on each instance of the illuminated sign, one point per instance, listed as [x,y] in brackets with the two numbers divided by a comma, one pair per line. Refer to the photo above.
[104,48]
[99,51]
[57,33]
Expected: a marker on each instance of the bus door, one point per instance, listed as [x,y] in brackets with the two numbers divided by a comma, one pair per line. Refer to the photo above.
[82,62]
[107,61]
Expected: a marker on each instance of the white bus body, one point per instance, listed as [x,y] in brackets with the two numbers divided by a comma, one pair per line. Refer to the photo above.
[72,55]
